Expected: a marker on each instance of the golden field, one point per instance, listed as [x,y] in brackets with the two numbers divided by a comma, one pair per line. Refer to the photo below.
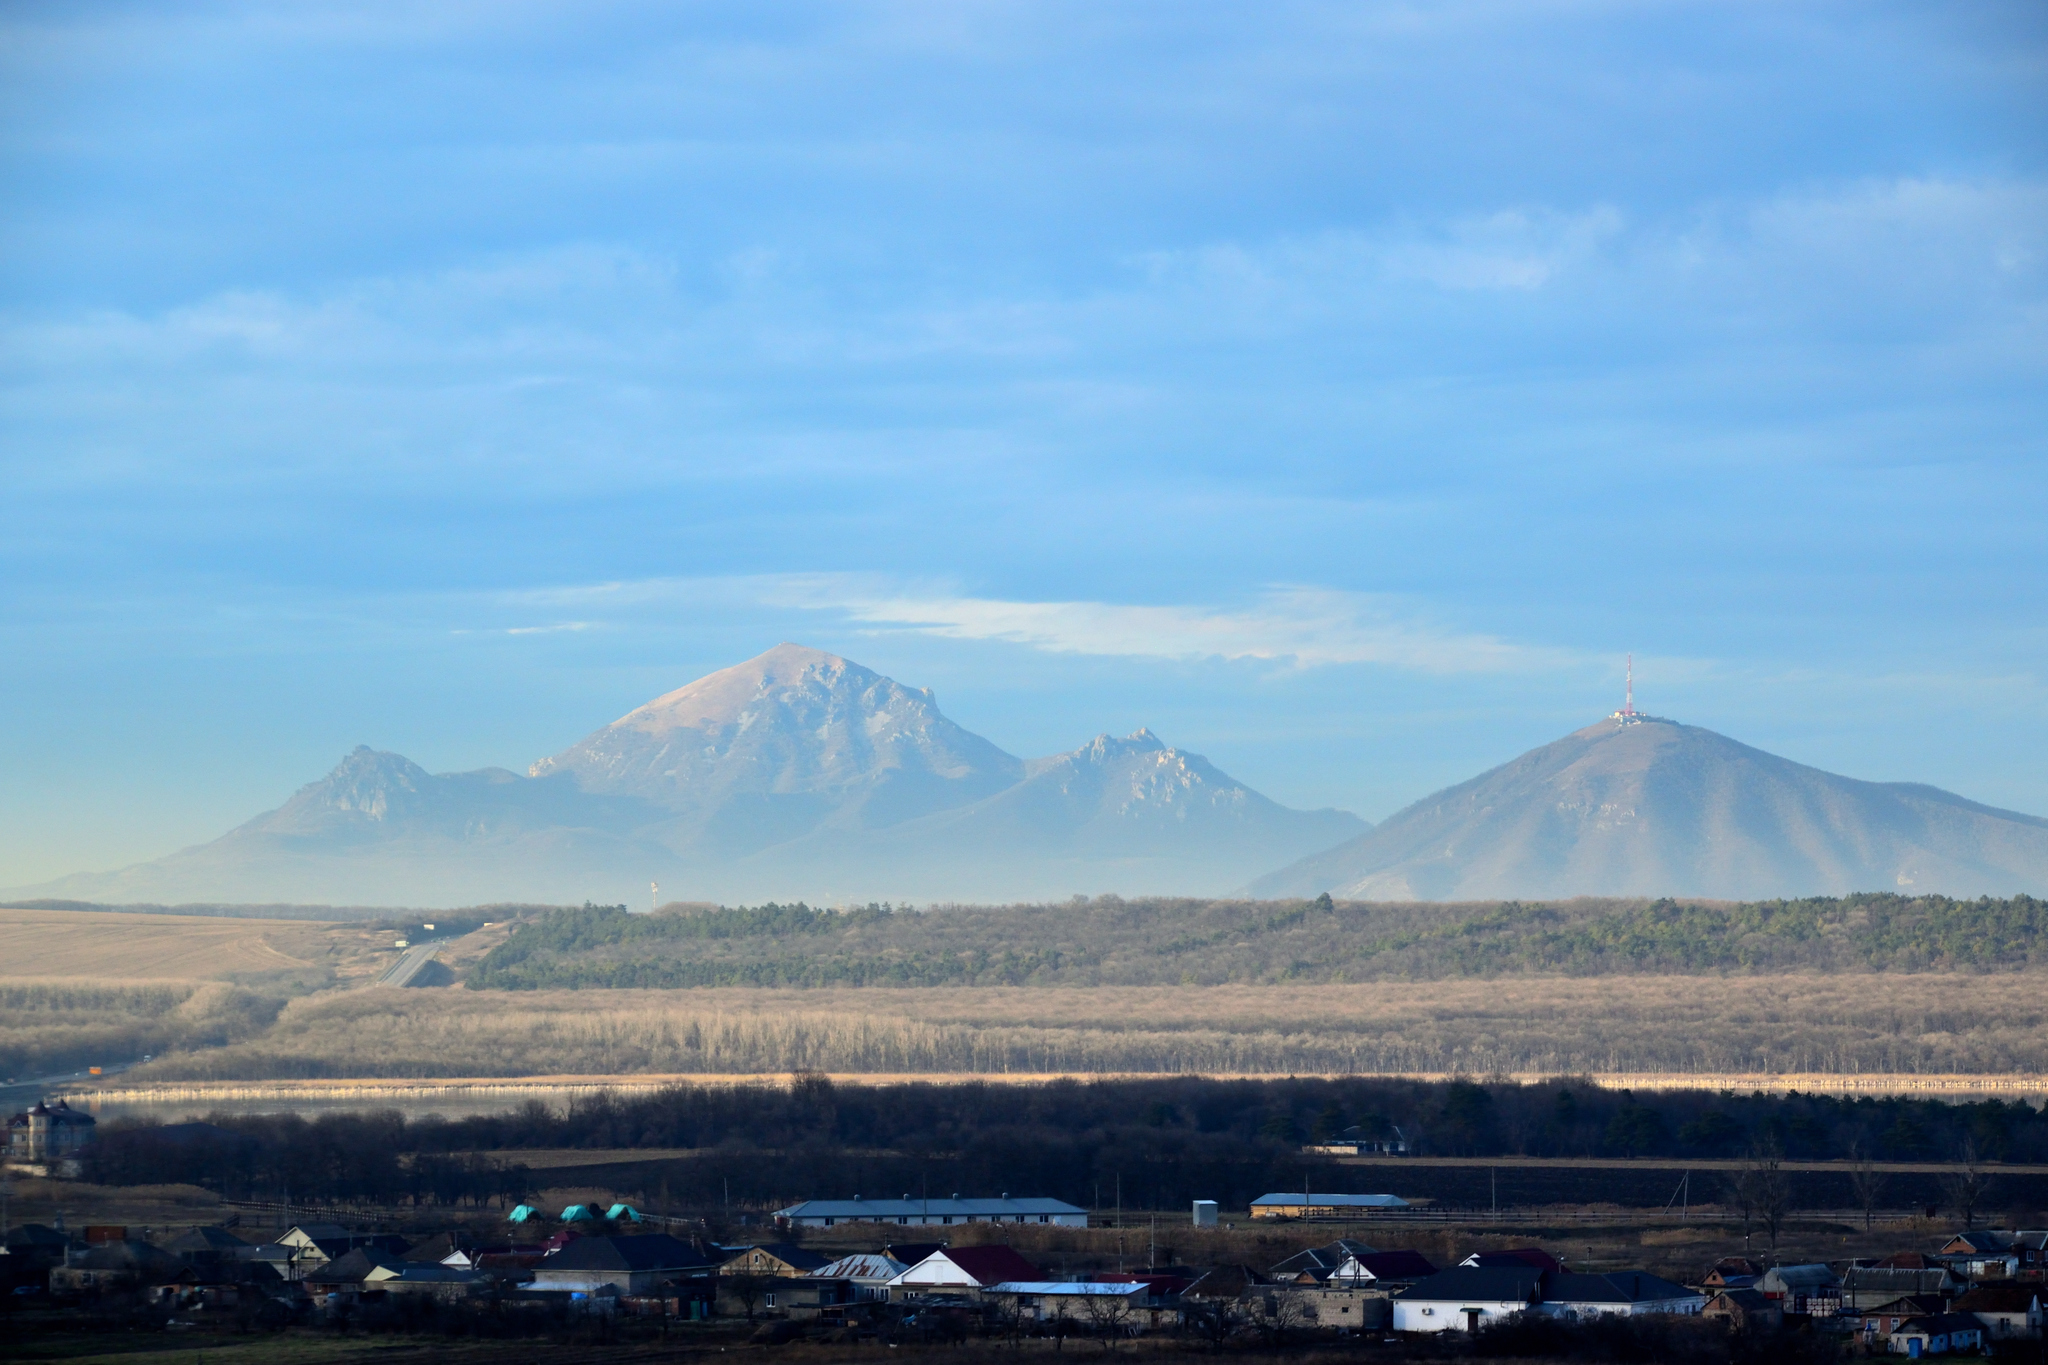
[1834,1024]
[235,999]
[108,947]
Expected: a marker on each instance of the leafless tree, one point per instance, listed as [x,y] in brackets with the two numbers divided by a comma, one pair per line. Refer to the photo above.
[1866,1181]
[1008,1315]
[1283,1313]
[746,1289]
[1061,1324]
[1762,1190]
[1964,1186]
[1110,1316]
[1216,1321]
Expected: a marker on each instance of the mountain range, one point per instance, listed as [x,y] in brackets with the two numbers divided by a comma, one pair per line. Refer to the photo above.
[802,775]
[797,774]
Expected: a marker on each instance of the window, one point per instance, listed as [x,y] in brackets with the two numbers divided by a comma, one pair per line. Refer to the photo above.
[768,1299]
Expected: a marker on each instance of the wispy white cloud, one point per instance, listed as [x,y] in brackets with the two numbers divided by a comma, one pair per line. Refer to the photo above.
[1304,626]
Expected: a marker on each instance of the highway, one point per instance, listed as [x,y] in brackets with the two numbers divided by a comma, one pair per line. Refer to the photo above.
[408,966]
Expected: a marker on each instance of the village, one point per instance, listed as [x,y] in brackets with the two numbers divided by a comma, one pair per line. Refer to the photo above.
[931,1271]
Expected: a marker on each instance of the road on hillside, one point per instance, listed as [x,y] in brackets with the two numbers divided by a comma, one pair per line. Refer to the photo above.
[408,966]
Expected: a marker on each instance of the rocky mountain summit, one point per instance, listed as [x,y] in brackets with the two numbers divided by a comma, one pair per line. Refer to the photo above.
[769,749]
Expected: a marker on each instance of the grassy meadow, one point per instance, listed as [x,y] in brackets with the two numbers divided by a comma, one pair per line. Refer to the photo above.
[39,945]
[1846,1023]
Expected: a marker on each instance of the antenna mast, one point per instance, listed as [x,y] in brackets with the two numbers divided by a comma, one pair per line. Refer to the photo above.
[1628,715]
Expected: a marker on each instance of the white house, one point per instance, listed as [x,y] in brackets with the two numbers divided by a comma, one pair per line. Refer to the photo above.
[627,1265]
[968,1270]
[2005,1310]
[825,1213]
[1622,1293]
[1465,1298]
[1047,1300]
[1937,1334]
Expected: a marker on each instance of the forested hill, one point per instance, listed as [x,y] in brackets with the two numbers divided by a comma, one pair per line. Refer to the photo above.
[1111,941]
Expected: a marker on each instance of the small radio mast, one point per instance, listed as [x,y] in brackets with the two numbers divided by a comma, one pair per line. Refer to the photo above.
[653,896]
[1628,715]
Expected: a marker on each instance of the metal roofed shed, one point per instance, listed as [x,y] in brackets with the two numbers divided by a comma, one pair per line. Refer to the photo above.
[1286,1205]
[825,1213]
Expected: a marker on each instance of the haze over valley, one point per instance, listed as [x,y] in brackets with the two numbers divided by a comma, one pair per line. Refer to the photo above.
[799,775]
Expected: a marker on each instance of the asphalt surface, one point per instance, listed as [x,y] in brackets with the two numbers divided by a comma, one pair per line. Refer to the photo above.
[408,966]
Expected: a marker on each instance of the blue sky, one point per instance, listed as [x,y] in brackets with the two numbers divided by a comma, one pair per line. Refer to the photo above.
[1339,389]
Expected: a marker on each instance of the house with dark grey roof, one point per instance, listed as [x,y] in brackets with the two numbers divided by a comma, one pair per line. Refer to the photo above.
[1745,1309]
[47,1132]
[1617,1293]
[2006,1310]
[1381,1270]
[1937,1334]
[207,1245]
[1515,1256]
[627,1265]
[1813,1289]
[347,1271]
[1466,1298]
[125,1264]
[1866,1286]
[1983,1255]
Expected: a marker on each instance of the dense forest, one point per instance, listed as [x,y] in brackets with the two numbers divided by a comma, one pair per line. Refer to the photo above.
[1111,941]
[1160,1141]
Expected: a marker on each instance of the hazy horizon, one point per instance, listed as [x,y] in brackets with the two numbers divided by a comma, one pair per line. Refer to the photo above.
[1339,391]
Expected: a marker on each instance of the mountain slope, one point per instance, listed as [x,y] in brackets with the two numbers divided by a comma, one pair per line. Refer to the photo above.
[1112,815]
[379,829]
[1658,808]
[796,774]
